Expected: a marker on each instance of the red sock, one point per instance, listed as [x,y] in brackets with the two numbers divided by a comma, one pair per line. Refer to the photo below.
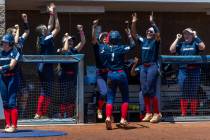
[7,114]
[147,104]
[193,106]
[62,109]
[40,105]
[46,105]
[14,115]
[124,110]
[155,104]
[141,116]
[70,110]
[184,104]
[100,104]
[108,110]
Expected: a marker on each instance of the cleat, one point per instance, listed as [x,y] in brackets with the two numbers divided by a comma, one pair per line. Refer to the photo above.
[10,129]
[147,117]
[99,114]
[37,116]
[156,118]
[108,124]
[122,124]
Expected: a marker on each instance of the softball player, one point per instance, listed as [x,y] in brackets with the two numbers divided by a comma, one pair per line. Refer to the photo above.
[9,82]
[114,57]
[45,70]
[189,75]
[149,70]
[101,69]
[68,75]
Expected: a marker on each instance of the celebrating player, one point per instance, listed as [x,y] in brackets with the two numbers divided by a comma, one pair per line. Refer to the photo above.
[101,69]
[68,75]
[15,31]
[114,57]
[9,82]
[149,70]
[189,75]
[45,70]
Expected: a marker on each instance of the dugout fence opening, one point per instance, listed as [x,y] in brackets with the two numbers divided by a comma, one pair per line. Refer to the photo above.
[185,88]
[67,96]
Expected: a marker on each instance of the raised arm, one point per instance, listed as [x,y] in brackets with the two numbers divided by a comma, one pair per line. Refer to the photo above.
[157,31]
[133,25]
[57,24]
[51,9]
[174,44]
[132,42]
[81,44]
[201,44]
[16,37]
[66,43]
[133,72]
[25,26]
[94,39]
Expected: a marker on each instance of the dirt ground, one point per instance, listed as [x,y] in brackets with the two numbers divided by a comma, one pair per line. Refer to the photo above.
[136,131]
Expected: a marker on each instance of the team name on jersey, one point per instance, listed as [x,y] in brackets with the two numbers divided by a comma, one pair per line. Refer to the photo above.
[188,49]
[145,48]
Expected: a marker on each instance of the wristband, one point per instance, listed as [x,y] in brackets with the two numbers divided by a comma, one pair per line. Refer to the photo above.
[25,26]
[197,40]
[5,67]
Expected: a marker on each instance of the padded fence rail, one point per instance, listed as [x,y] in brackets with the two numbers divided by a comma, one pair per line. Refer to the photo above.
[71,91]
[185,88]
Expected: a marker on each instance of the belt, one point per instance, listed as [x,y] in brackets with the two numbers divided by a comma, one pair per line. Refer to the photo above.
[9,74]
[116,70]
[70,72]
[147,64]
[102,71]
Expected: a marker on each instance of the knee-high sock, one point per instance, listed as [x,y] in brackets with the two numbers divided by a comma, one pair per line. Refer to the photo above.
[193,106]
[47,102]
[108,110]
[100,104]
[147,104]
[62,109]
[40,105]
[124,110]
[155,104]
[184,104]
[7,114]
[14,116]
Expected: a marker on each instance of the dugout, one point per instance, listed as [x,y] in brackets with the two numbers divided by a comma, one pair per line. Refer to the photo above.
[171,16]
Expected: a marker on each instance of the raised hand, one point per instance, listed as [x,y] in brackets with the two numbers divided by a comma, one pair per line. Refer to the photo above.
[95,22]
[178,36]
[51,8]
[24,17]
[79,27]
[16,26]
[134,17]
[136,60]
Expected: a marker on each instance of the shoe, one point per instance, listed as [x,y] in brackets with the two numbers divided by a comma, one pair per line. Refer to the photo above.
[6,128]
[37,116]
[147,117]
[123,124]
[108,124]
[156,118]
[99,114]
[10,129]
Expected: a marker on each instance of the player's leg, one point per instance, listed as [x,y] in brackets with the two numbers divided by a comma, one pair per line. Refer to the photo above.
[102,86]
[182,80]
[142,106]
[5,97]
[112,87]
[12,90]
[123,87]
[144,88]
[194,86]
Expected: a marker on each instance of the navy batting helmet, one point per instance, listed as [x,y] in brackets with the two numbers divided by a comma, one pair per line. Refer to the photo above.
[114,37]
[8,38]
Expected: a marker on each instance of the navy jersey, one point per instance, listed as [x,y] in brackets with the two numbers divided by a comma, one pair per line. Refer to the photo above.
[98,50]
[12,54]
[149,49]
[114,56]
[20,44]
[184,48]
[46,44]
[70,67]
